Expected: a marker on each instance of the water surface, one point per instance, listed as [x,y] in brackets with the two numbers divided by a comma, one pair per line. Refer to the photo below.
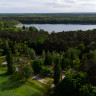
[61,27]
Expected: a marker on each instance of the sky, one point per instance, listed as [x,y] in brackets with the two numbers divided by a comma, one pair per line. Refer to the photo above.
[47,6]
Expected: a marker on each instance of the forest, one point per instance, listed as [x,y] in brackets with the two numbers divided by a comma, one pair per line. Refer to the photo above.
[56,18]
[36,63]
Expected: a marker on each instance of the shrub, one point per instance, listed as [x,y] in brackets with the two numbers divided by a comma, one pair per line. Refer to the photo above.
[45,71]
[37,66]
[27,71]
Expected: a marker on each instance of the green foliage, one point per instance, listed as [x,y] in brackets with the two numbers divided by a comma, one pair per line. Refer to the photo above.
[27,71]
[12,87]
[71,84]
[32,53]
[81,47]
[48,59]
[23,27]
[37,66]
[45,71]
[41,30]
[52,18]
[11,29]
[6,45]
[54,56]
[72,53]
[1,25]
[92,55]
[10,64]
[29,52]
[76,63]
[65,63]
[32,28]
[86,90]
[57,71]
[41,39]
[43,54]
[1,52]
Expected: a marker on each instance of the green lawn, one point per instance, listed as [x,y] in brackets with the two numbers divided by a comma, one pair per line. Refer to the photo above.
[10,87]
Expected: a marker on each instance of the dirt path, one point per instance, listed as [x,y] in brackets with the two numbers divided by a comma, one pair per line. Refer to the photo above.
[42,80]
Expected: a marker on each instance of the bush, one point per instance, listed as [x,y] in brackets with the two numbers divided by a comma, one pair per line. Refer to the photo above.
[45,71]
[37,66]
[27,71]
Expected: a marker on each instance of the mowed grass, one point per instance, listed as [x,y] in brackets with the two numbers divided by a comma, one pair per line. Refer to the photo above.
[11,87]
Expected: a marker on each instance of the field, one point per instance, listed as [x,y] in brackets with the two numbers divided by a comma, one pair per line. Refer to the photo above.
[10,87]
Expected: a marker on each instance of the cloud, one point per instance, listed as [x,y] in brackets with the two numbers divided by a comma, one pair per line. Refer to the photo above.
[44,6]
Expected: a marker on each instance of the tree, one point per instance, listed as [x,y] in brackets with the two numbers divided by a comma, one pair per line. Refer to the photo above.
[81,47]
[23,27]
[32,53]
[86,90]
[7,46]
[10,65]
[54,56]
[71,84]
[65,63]
[72,53]
[57,71]
[45,71]
[1,25]
[27,71]
[37,66]
[48,59]
[76,63]
[32,28]
[43,54]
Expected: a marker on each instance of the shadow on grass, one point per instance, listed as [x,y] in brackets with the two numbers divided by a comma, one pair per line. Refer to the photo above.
[10,84]
[35,86]
[3,74]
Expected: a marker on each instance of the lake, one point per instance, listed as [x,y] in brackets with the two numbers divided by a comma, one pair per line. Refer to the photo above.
[61,27]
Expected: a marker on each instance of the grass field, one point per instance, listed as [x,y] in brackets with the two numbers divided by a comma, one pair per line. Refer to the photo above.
[10,87]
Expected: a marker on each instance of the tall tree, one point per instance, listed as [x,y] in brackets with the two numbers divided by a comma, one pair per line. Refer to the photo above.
[57,71]
[72,84]
[43,54]
[48,59]
[10,64]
